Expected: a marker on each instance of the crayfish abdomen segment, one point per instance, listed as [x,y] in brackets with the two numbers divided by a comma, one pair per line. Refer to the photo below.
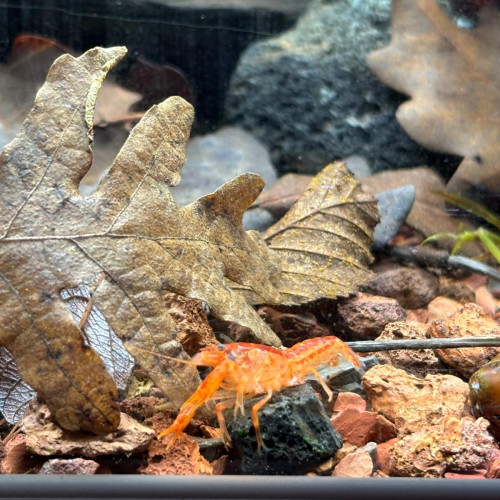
[312,353]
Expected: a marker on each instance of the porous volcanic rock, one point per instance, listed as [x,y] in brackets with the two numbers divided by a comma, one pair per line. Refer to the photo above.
[415,361]
[184,458]
[296,432]
[411,287]
[412,402]
[469,320]
[452,444]
[309,96]
[364,316]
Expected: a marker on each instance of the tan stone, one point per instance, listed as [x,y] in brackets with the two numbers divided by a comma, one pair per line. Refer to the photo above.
[469,320]
[441,307]
[453,444]
[358,464]
[412,402]
[417,361]
[417,315]
[485,299]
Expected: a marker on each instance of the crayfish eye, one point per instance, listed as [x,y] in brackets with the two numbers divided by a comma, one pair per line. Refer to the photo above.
[221,347]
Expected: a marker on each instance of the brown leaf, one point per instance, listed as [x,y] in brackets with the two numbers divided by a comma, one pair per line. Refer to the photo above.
[15,394]
[453,78]
[323,241]
[51,238]
[30,59]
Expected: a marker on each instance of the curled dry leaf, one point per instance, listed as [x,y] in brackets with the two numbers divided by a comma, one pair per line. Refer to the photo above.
[52,238]
[98,334]
[15,393]
[324,241]
[453,77]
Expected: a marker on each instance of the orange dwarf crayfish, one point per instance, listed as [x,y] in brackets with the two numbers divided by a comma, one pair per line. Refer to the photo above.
[249,369]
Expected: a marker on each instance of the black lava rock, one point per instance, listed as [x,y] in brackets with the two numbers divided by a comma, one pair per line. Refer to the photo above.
[309,96]
[296,432]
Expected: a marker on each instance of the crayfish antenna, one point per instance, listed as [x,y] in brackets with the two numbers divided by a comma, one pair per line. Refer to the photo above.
[170,358]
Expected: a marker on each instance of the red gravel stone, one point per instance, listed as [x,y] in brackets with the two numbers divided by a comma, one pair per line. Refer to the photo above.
[358,426]
[358,464]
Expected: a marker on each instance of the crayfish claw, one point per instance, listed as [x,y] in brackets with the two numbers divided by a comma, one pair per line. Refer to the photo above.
[173,439]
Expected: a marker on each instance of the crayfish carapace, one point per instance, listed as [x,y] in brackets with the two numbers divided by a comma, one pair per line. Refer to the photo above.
[246,370]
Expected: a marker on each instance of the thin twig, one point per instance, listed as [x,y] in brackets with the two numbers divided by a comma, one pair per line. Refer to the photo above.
[13,432]
[391,345]
[432,257]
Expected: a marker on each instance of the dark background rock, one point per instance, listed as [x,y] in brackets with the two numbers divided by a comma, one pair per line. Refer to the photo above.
[364,316]
[413,288]
[310,97]
[203,39]
[296,432]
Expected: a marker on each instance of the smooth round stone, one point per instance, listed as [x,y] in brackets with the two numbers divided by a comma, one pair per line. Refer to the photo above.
[213,159]
[394,205]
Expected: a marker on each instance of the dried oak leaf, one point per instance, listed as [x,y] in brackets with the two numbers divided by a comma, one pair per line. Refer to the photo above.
[30,58]
[16,394]
[130,229]
[323,242]
[453,78]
